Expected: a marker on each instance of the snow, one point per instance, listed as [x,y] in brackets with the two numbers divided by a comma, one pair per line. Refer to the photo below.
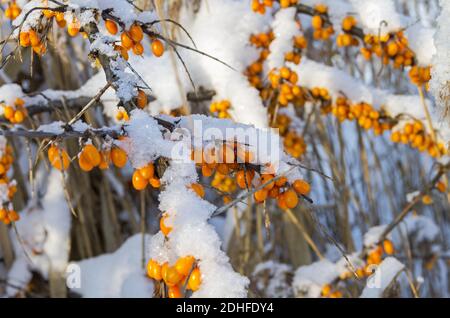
[285,29]
[277,273]
[378,15]
[423,228]
[388,271]
[440,72]
[222,28]
[372,236]
[9,93]
[117,274]
[309,279]
[420,40]
[45,230]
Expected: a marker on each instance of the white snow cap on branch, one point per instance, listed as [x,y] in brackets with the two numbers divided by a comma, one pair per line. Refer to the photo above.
[384,276]
[285,28]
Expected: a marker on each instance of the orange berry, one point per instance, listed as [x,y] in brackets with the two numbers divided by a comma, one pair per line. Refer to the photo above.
[198,189]
[157,48]
[281,202]
[73,28]
[274,192]
[126,40]
[40,49]
[301,187]
[58,157]
[118,157]
[427,199]
[316,22]
[326,289]
[260,195]
[441,186]
[136,33]
[24,39]
[223,168]
[266,178]
[244,182]
[84,162]
[18,116]
[388,247]
[155,182]
[123,52]
[184,265]
[290,198]
[92,154]
[281,181]
[170,276]
[174,292]
[139,182]
[8,112]
[3,214]
[206,170]
[34,38]
[154,270]
[164,229]
[13,216]
[111,26]
[148,171]
[138,49]
[194,280]
[104,163]
[141,99]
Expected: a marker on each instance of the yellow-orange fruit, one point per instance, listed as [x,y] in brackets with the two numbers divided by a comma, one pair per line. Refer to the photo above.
[148,171]
[34,38]
[266,178]
[141,99]
[111,26]
[84,162]
[154,270]
[126,40]
[260,195]
[316,22]
[58,158]
[18,116]
[136,33]
[73,28]
[184,265]
[170,276]
[195,280]
[164,229]
[8,112]
[198,189]
[174,292]
[206,170]
[157,48]
[155,182]
[118,157]
[244,179]
[388,247]
[301,187]
[92,154]
[13,216]
[139,182]
[290,198]
[24,39]
[138,49]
